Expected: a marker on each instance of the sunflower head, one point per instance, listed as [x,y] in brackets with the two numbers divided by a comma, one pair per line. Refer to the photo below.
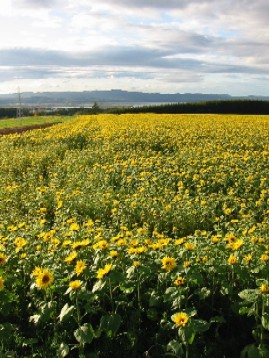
[44,279]
[75,285]
[1,283]
[181,319]
[103,271]
[179,281]
[80,267]
[3,258]
[169,263]
[264,288]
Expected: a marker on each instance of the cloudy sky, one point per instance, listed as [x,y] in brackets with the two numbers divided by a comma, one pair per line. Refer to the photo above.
[167,46]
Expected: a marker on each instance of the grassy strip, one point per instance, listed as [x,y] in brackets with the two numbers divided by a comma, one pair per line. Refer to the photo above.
[30,121]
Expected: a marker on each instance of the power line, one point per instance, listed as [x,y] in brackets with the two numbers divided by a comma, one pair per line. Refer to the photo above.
[19,106]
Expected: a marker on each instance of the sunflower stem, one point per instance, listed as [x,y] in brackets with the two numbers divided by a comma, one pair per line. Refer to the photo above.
[111,295]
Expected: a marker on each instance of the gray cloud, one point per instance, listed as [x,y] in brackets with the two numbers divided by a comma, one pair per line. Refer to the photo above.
[109,56]
[243,5]
[115,57]
[58,72]
[35,3]
[153,3]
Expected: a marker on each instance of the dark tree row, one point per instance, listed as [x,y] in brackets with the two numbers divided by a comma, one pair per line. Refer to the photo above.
[214,107]
[218,107]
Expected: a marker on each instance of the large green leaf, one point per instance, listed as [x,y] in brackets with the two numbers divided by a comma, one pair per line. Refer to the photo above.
[63,350]
[175,347]
[110,323]
[84,334]
[200,325]
[66,312]
[98,286]
[187,334]
[265,321]
[249,295]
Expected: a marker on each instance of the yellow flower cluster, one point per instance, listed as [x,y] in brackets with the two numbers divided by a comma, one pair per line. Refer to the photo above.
[166,202]
[101,272]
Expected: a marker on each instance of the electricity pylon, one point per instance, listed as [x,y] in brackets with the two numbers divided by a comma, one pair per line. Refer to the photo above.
[19,107]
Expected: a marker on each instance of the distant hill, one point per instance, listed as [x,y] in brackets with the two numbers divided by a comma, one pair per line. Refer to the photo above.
[111,97]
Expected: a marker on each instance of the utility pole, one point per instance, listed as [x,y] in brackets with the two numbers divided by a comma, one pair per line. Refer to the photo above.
[19,106]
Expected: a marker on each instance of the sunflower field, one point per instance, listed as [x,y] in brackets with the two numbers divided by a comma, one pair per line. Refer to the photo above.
[136,236]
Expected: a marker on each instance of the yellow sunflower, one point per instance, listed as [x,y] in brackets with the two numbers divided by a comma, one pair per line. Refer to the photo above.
[179,281]
[75,285]
[181,319]
[44,279]
[1,283]
[169,263]
[113,253]
[80,267]
[103,271]
[3,259]
[71,257]
[232,260]
[37,270]
[264,288]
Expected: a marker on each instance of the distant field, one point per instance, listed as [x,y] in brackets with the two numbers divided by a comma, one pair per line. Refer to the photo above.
[29,121]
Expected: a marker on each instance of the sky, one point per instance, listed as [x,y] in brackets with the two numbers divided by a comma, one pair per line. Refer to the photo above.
[165,46]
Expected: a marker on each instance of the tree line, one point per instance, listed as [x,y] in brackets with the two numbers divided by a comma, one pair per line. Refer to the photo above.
[214,107]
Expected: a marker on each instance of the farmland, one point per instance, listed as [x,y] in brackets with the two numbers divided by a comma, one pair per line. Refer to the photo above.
[138,235]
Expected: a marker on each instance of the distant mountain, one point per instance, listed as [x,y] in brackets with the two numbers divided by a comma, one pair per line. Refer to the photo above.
[112,97]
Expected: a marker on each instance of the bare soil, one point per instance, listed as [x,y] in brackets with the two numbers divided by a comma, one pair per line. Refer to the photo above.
[6,131]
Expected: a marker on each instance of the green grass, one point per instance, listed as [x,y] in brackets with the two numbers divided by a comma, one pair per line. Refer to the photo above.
[29,121]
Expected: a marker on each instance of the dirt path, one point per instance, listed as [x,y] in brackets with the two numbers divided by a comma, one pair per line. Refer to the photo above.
[6,131]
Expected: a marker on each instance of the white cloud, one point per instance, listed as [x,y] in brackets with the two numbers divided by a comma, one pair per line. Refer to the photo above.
[157,43]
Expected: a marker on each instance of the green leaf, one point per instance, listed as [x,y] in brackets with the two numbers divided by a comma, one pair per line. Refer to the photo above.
[260,281]
[250,351]
[6,330]
[66,312]
[200,325]
[110,324]
[130,272]
[204,293]
[265,321]
[34,319]
[63,350]
[175,347]
[217,319]
[249,295]
[128,287]
[171,294]
[84,334]
[187,334]
[46,312]
[116,277]
[98,285]
[191,312]
[154,299]
[68,290]
[224,290]
[245,310]
[263,351]
[152,314]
